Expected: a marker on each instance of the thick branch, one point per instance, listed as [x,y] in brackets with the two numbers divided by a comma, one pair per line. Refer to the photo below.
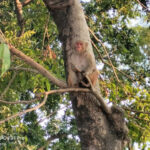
[37,66]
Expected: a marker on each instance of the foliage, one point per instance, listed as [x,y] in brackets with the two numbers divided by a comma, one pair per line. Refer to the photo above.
[5,58]
[128,49]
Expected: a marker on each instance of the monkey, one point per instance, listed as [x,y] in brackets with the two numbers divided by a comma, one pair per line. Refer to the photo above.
[83,65]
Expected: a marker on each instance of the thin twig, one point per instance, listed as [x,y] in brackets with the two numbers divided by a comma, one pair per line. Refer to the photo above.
[23,69]
[142,4]
[2,37]
[51,114]
[136,111]
[19,102]
[100,56]
[58,135]
[26,111]
[26,2]
[9,84]
[45,31]
[106,53]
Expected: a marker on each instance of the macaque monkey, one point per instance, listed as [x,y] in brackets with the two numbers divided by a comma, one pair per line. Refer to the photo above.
[83,66]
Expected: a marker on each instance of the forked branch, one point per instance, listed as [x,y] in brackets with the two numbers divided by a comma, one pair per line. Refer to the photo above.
[26,111]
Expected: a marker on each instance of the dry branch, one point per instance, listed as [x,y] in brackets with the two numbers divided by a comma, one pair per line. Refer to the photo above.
[26,111]
[106,53]
[101,58]
[26,2]
[20,18]
[53,137]
[103,105]
[19,102]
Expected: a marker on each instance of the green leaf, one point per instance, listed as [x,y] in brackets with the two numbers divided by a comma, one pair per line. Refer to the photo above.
[4,57]
[48,85]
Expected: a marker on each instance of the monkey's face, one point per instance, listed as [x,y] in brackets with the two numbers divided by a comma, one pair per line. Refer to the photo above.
[79,47]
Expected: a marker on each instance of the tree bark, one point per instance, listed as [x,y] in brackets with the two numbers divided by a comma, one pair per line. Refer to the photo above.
[95,128]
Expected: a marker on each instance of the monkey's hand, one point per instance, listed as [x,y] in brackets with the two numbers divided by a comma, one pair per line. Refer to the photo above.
[74,68]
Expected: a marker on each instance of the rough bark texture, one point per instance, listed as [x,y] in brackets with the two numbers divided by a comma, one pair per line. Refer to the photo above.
[95,129]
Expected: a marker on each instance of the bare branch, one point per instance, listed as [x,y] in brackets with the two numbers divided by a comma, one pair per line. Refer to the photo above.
[24,69]
[136,111]
[53,137]
[45,31]
[51,114]
[101,101]
[45,98]
[26,111]
[67,90]
[26,2]
[95,93]
[100,56]
[106,53]
[37,66]
[19,14]
[2,37]
[9,84]
[142,4]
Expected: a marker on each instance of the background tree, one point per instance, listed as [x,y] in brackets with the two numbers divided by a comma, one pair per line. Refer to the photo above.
[121,55]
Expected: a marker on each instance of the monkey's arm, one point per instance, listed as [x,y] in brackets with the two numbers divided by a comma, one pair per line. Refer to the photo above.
[59,4]
[90,65]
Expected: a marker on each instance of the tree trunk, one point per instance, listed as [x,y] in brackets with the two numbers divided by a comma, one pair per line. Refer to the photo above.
[95,130]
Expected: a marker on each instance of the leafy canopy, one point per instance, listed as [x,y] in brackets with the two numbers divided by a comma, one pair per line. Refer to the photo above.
[115,41]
